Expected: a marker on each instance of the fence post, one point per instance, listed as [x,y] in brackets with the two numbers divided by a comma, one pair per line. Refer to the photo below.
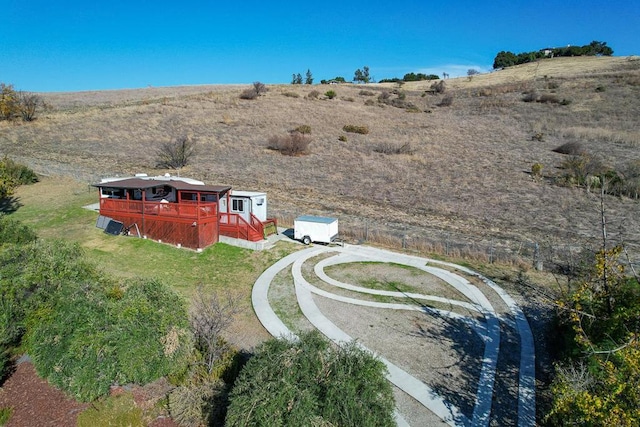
[537,259]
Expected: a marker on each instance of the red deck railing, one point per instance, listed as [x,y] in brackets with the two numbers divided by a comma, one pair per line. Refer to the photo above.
[187,210]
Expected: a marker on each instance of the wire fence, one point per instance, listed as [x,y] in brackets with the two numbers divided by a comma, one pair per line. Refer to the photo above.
[524,253]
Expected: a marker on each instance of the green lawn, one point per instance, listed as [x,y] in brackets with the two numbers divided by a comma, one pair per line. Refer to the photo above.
[54,208]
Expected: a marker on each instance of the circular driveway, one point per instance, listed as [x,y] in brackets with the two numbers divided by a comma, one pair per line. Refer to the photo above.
[472,308]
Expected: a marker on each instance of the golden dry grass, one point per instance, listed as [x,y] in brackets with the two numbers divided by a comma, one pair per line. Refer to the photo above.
[466,182]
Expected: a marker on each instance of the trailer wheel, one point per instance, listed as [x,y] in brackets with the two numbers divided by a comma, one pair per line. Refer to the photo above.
[306,240]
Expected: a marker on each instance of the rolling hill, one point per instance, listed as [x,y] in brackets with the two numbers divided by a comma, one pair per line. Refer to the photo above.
[462,182]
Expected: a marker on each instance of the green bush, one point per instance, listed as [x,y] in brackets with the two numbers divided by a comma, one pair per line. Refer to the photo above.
[14,232]
[311,382]
[12,175]
[330,94]
[304,129]
[536,170]
[84,341]
[356,129]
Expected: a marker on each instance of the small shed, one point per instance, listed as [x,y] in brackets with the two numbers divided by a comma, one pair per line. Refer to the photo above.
[246,204]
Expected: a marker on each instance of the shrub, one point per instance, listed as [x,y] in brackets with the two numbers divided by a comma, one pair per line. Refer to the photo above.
[259,88]
[363,130]
[439,86]
[28,105]
[5,414]
[369,102]
[572,148]
[579,168]
[548,98]
[193,404]
[249,94]
[392,148]
[291,95]
[292,144]
[342,138]
[539,136]
[314,94]
[304,129]
[82,341]
[601,89]
[631,174]
[384,97]
[310,382]
[9,102]
[536,170]
[330,94]
[14,232]
[447,101]
[12,175]
[531,96]
[366,93]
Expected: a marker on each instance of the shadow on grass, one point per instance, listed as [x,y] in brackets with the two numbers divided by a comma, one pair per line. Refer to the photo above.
[9,205]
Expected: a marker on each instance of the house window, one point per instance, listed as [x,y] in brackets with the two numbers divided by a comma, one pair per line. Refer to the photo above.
[237,205]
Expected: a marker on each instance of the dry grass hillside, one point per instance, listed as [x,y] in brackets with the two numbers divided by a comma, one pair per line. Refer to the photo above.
[463,178]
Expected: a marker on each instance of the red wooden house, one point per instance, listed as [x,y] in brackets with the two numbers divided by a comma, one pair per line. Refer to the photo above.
[175,210]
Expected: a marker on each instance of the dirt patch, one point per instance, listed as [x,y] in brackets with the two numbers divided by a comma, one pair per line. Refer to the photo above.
[35,402]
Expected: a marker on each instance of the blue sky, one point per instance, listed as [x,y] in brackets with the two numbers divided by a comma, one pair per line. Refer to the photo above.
[92,45]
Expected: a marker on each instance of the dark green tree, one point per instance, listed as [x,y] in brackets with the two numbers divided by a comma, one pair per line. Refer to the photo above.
[308,78]
[504,59]
[362,76]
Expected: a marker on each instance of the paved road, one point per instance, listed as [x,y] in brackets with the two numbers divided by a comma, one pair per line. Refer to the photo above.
[489,330]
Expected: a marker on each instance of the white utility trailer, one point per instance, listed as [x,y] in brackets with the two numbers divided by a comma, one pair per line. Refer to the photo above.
[320,229]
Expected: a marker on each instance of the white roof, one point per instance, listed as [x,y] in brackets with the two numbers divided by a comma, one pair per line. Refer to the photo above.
[240,193]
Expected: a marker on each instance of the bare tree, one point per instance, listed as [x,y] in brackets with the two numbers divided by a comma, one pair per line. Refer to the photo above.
[210,317]
[177,153]
[260,88]
[28,104]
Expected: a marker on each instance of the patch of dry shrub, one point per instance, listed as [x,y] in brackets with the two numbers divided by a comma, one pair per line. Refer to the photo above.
[363,130]
[394,148]
[292,144]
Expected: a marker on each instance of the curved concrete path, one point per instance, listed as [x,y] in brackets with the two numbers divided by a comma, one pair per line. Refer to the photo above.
[489,330]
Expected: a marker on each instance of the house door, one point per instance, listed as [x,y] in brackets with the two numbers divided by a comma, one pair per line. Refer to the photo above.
[241,207]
